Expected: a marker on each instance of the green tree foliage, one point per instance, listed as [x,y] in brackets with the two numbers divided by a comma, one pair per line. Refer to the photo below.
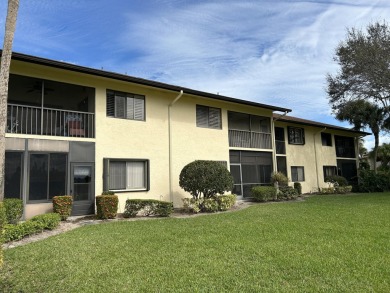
[360,92]
[205,178]
[383,156]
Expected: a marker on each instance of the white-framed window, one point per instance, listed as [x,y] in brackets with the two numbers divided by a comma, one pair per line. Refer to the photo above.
[125,105]
[297,173]
[126,174]
[296,135]
[208,117]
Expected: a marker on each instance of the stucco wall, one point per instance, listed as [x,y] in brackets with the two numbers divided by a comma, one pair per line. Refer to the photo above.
[312,155]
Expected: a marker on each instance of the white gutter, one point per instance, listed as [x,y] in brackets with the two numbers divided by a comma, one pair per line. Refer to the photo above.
[170,144]
[315,156]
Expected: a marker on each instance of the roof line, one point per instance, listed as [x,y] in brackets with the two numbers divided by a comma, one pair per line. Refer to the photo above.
[300,121]
[136,80]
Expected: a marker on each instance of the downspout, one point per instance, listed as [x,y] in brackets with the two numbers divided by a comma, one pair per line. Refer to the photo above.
[315,156]
[273,141]
[170,145]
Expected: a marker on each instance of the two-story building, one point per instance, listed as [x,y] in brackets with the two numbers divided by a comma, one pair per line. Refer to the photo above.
[81,131]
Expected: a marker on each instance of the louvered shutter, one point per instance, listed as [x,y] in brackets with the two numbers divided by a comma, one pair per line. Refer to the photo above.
[214,118]
[120,104]
[130,108]
[110,106]
[202,116]
[139,108]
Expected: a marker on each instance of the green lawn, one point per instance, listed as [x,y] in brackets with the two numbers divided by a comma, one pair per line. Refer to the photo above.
[327,243]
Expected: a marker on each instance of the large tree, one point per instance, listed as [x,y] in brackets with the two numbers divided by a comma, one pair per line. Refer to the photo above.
[360,92]
[10,25]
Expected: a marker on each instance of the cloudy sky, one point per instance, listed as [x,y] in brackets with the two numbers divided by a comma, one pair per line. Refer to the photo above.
[275,52]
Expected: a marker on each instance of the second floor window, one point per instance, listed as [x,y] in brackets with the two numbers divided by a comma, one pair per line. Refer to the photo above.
[208,117]
[296,135]
[125,105]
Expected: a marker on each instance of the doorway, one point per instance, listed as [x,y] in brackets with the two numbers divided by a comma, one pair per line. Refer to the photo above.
[82,188]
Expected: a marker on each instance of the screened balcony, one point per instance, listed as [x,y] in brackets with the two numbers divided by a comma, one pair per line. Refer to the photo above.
[249,131]
[42,107]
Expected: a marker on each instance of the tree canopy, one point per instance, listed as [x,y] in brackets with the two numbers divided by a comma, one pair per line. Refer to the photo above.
[360,92]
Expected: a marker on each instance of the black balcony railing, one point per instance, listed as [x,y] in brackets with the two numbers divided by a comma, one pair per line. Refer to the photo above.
[23,119]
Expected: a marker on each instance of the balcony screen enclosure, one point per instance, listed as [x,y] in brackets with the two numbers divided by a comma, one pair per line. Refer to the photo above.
[46,107]
[250,169]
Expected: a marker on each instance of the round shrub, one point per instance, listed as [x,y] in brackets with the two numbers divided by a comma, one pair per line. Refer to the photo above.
[62,205]
[205,178]
[13,210]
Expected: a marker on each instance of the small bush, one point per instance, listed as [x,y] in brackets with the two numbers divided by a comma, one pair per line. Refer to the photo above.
[286,193]
[163,209]
[226,202]
[35,225]
[298,187]
[279,178]
[263,193]
[343,189]
[210,205]
[106,206]
[192,205]
[327,190]
[49,221]
[149,207]
[205,179]
[337,180]
[62,205]
[3,221]
[13,210]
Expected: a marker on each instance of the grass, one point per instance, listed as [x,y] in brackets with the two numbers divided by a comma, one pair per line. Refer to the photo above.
[325,244]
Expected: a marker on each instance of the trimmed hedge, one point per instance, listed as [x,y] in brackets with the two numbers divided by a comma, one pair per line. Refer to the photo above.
[336,190]
[3,221]
[149,207]
[263,193]
[286,193]
[35,225]
[106,206]
[209,205]
[62,205]
[13,210]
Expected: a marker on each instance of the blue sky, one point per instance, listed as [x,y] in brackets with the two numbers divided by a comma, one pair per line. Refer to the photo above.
[273,52]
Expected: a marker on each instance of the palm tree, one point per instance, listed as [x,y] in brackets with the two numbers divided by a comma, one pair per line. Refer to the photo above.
[10,24]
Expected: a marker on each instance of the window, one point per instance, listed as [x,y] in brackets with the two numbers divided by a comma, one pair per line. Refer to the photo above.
[296,135]
[47,175]
[281,164]
[126,175]
[326,139]
[13,175]
[297,174]
[208,117]
[329,171]
[125,105]
[345,146]
[279,140]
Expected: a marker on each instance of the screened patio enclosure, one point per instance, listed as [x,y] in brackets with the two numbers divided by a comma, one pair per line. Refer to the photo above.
[45,107]
[250,169]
